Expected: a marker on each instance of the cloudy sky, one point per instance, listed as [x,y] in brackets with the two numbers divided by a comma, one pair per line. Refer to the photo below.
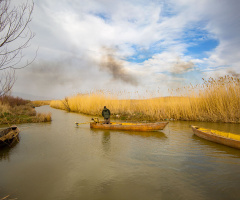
[131,45]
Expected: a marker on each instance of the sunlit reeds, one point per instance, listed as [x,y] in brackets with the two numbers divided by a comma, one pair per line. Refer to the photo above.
[38,103]
[216,100]
[43,117]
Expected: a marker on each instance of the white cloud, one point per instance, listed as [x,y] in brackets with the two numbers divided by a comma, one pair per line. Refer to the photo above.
[79,30]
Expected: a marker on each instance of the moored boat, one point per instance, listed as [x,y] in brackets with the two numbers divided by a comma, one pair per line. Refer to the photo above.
[228,139]
[9,136]
[130,126]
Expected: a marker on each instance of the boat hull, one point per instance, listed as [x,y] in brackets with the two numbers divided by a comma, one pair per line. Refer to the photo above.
[9,136]
[134,127]
[215,138]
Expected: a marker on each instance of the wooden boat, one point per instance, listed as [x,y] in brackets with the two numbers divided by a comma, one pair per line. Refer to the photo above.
[9,136]
[228,139]
[130,126]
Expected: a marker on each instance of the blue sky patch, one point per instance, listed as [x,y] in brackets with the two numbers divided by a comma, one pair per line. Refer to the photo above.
[199,42]
[202,46]
[103,16]
[142,54]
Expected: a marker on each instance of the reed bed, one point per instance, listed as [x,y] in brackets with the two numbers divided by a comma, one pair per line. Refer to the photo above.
[43,117]
[14,110]
[38,103]
[216,100]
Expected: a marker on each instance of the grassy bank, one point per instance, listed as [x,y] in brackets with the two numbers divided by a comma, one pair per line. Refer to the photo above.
[14,110]
[216,100]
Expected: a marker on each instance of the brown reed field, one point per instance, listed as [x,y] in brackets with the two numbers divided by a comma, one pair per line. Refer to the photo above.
[216,100]
[15,110]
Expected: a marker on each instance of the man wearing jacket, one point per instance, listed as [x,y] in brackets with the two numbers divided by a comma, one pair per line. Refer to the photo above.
[106,114]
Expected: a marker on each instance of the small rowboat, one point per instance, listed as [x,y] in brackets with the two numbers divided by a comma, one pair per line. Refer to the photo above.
[9,136]
[228,139]
[130,126]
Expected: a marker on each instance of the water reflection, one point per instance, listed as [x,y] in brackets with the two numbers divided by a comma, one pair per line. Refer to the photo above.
[6,151]
[153,134]
[147,134]
[106,140]
[215,148]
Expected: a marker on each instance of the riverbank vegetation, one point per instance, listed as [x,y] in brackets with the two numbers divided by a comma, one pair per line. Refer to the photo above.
[216,100]
[15,110]
[39,103]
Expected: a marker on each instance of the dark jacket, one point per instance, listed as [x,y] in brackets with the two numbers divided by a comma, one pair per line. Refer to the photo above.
[106,113]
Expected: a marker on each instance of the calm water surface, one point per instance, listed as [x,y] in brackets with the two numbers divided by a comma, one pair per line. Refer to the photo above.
[60,161]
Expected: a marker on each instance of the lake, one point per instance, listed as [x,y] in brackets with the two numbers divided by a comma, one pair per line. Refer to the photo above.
[60,161]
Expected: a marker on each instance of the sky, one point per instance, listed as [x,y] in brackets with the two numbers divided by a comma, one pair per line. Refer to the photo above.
[128,45]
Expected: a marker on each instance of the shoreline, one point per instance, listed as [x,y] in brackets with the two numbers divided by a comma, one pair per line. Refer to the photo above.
[19,114]
[141,118]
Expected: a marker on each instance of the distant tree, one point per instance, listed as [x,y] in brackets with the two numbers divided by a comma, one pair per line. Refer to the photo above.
[15,35]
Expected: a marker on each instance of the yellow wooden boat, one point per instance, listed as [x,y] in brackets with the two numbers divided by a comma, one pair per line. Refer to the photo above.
[130,126]
[228,139]
[9,136]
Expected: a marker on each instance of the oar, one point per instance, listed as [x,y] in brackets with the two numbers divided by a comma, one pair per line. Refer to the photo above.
[96,120]
[81,123]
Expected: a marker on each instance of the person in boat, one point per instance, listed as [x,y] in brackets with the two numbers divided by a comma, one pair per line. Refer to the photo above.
[106,114]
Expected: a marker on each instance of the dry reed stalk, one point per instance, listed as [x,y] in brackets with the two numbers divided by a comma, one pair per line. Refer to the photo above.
[5,197]
[216,100]
[38,103]
[44,117]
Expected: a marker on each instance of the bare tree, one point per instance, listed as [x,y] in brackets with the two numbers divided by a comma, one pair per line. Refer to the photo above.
[15,35]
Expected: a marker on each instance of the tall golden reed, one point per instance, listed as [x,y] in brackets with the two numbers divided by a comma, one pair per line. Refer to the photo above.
[216,100]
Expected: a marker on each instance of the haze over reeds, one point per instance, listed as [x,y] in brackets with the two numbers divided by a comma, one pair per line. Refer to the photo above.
[216,100]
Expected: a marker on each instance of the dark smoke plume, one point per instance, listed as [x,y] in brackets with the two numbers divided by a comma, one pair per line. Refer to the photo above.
[115,68]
